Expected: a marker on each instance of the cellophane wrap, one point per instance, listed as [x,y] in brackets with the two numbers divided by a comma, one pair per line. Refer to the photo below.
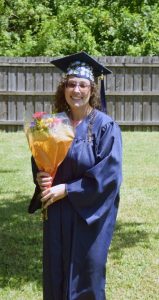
[49,137]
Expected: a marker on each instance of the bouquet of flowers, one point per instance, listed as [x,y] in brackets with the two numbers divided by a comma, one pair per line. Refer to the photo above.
[49,137]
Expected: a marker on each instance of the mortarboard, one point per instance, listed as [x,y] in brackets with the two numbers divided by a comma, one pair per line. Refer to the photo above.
[83,65]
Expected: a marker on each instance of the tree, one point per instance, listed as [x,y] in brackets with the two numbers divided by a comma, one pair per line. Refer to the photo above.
[57,27]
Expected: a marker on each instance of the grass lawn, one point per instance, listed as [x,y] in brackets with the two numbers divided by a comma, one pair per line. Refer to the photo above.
[133,263]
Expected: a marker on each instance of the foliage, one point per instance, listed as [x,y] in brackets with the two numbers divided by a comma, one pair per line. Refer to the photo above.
[55,27]
[132,270]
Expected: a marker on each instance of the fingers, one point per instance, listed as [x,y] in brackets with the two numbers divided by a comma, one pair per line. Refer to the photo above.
[41,173]
[47,198]
[53,194]
[49,202]
[44,180]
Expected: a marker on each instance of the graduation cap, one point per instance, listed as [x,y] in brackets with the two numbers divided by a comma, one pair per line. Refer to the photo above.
[83,65]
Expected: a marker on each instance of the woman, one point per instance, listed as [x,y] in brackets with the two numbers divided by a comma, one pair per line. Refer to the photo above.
[82,204]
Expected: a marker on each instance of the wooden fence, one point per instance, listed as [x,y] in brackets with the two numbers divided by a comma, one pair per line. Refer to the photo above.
[28,84]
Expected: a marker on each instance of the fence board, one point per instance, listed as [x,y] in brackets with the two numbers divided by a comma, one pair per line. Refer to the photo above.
[137,74]
[30,79]
[155,79]
[146,108]
[39,80]
[137,109]
[129,75]
[20,79]
[128,109]
[111,107]
[39,104]
[48,80]
[20,108]
[119,111]
[11,108]
[29,107]
[12,82]
[119,80]
[155,109]
[3,108]
[3,79]
[48,105]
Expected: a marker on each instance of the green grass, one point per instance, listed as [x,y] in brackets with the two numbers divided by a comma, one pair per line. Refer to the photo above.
[133,263]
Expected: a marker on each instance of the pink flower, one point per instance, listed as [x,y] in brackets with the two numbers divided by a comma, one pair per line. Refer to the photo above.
[57,121]
[39,115]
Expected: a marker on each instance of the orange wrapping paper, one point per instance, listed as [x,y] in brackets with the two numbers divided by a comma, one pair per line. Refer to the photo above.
[49,138]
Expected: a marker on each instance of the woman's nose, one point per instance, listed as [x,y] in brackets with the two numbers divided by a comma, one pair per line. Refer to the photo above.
[76,88]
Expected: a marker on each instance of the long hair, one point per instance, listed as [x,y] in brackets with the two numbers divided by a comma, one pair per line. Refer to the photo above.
[60,101]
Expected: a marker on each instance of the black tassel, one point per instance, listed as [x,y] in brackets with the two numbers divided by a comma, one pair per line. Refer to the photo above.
[102,95]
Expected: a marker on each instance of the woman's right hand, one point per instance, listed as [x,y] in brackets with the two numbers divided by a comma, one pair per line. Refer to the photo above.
[44,180]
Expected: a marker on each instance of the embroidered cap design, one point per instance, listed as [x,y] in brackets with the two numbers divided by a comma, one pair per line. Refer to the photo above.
[80,69]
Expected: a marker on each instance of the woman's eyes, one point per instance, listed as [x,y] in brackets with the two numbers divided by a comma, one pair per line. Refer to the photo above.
[81,85]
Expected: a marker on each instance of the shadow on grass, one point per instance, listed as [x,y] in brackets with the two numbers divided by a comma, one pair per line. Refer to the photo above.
[9,171]
[128,235]
[20,244]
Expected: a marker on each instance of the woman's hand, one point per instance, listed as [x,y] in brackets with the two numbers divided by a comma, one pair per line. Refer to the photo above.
[53,194]
[44,180]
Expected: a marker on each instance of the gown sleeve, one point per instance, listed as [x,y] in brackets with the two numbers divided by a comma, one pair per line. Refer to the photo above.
[94,195]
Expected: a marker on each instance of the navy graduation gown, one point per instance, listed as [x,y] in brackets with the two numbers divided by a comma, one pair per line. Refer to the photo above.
[79,228]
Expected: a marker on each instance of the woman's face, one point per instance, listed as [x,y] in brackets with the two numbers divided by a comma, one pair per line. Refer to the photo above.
[77,92]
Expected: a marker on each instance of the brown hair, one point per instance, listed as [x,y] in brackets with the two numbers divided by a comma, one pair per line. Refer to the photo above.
[60,101]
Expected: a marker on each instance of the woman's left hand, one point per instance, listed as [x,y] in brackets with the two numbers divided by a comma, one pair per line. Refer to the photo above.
[53,194]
